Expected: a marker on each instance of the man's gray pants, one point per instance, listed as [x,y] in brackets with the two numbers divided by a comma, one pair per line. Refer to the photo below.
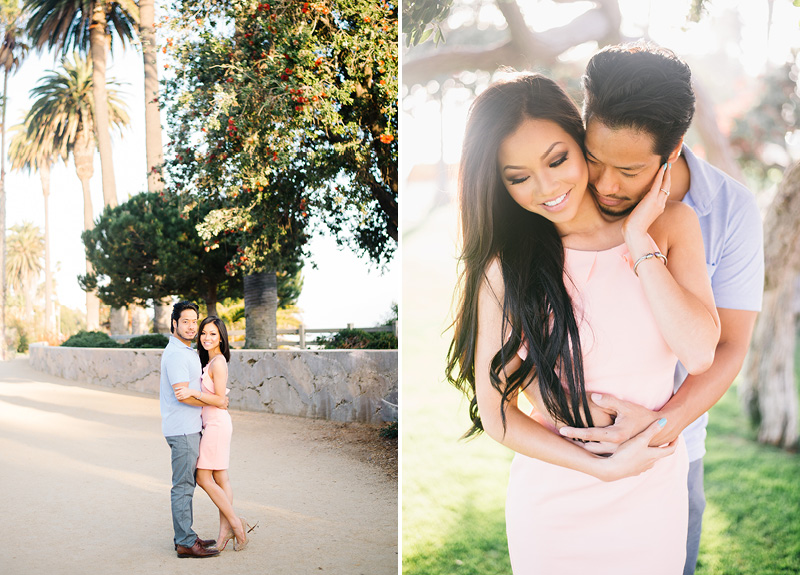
[697,504]
[185,450]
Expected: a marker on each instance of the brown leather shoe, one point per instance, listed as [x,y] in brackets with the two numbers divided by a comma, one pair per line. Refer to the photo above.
[196,550]
[207,542]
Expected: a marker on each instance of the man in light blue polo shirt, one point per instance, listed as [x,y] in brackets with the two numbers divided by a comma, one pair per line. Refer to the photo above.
[181,423]
[638,105]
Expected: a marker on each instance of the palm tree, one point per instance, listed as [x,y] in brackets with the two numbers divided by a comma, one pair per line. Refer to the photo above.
[24,263]
[37,154]
[152,121]
[12,52]
[64,112]
[87,26]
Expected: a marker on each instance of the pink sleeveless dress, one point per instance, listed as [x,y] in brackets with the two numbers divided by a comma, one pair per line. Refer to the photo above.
[564,521]
[215,443]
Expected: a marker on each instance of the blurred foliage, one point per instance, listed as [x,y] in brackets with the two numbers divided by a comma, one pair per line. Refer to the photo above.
[698,9]
[421,19]
[358,339]
[72,320]
[90,339]
[147,341]
[759,137]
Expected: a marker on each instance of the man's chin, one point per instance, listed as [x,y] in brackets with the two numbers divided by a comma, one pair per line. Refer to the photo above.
[614,211]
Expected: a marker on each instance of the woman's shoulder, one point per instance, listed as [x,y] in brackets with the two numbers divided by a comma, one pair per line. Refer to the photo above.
[676,219]
[217,365]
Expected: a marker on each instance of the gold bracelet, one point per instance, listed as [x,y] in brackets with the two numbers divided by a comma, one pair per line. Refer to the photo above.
[648,256]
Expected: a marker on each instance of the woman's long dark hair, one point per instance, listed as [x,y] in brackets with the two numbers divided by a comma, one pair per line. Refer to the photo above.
[224,347]
[536,307]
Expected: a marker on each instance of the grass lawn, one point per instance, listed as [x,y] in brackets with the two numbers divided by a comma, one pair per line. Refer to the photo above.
[453,491]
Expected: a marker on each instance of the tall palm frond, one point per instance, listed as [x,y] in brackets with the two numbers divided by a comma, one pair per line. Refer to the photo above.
[87,26]
[64,25]
[29,149]
[25,251]
[64,102]
[12,51]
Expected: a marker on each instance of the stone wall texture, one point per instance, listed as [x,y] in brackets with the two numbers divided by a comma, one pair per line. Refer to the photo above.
[341,385]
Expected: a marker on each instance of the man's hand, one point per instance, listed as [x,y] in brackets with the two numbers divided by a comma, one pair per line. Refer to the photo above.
[630,419]
[182,393]
[635,455]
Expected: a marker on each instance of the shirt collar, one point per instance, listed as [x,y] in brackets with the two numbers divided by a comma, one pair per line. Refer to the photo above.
[702,188]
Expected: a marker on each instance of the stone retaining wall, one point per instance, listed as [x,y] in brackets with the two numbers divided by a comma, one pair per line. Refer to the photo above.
[341,385]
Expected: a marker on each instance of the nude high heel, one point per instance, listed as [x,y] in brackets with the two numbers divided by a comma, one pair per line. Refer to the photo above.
[224,540]
[239,545]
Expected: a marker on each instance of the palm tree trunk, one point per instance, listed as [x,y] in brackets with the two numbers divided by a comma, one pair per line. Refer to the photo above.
[152,117]
[3,222]
[82,154]
[44,175]
[97,42]
[260,310]
[92,302]
[29,294]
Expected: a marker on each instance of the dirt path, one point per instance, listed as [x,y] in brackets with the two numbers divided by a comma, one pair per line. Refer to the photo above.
[85,481]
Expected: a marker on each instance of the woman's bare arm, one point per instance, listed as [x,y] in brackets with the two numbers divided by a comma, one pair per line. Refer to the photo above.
[680,293]
[525,435]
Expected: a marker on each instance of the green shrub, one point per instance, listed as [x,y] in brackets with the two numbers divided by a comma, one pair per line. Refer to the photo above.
[359,339]
[148,341]
[389,431]
[90,339]
[22,347]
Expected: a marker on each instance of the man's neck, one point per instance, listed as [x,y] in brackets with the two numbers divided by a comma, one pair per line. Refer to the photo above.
[681,180]
[186,342]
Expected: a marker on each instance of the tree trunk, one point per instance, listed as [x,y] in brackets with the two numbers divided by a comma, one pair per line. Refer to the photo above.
[44,175]
[97,42]
[162,311]
[118,321]
[211,300]
[82,154]
[139,320]
[152,117]
[3,222]
[260,310]
[29,290]
[768,391]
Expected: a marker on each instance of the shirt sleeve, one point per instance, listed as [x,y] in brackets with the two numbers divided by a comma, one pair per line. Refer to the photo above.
[177,369]
[738,280]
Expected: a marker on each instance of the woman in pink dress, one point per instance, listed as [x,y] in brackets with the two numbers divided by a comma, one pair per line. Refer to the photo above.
[558,303]
[215,443]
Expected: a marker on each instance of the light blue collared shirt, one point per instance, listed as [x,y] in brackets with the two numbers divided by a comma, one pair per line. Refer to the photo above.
[734,245]
[179,363]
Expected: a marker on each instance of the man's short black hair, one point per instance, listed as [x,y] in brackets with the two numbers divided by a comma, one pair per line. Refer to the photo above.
[640,86]
[178,308]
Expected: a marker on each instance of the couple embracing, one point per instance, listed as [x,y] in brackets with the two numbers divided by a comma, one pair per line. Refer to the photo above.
[198,428]
[612,278]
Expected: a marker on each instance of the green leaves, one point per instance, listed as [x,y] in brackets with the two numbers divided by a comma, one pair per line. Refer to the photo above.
[286,99]
[421,19]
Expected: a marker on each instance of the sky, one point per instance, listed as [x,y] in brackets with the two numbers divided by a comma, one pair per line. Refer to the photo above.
[342,289]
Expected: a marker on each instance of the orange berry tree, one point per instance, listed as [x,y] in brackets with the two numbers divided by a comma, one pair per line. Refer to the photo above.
[283,116]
